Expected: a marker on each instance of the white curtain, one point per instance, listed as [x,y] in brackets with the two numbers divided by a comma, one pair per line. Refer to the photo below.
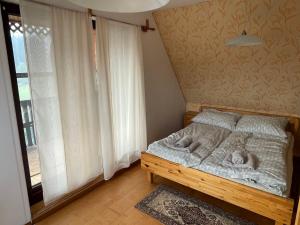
[65,105]
[121,94]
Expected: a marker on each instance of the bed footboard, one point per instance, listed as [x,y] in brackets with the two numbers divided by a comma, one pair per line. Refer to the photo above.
[277,208]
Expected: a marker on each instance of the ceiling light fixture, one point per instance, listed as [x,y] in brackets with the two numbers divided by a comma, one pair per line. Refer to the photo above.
[244,39]
[121,6]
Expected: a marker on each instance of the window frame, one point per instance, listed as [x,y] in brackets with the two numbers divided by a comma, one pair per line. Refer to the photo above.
[35,193]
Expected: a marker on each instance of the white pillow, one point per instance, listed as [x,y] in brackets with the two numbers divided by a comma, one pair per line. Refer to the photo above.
[274,126]
[230,113]
[217,118]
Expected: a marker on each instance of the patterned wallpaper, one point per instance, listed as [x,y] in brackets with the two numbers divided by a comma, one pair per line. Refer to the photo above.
[263,77]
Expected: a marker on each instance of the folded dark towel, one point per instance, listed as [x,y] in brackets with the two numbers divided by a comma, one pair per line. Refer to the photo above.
[189,148]
[193,146]
[250,162]
[184,142]
[239,157]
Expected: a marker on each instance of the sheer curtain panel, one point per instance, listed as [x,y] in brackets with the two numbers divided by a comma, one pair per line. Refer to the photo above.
[121,94]
[59,54]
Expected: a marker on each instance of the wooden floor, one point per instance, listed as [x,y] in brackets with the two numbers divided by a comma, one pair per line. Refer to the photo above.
[112,203]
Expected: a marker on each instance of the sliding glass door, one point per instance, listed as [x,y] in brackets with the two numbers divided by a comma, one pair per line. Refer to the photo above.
[22,98]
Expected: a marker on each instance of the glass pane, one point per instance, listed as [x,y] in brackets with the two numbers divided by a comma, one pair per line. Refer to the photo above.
[19,50]
[24,89]
[16,32]
[34,165]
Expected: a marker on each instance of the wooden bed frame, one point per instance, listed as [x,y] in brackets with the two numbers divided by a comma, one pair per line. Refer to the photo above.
[277,208]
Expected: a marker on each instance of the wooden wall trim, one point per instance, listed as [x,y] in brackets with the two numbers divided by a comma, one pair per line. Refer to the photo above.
[244,110]
[198,106]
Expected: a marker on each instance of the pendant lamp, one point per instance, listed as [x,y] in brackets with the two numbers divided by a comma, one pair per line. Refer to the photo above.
[244,39]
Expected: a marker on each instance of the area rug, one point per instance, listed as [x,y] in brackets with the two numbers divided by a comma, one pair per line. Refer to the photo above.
[172,207]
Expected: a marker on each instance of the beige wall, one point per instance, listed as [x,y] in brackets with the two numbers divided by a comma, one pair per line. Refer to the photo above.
[266,77]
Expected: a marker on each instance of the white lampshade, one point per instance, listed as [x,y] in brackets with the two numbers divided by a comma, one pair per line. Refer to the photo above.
[121,6]
[245,40]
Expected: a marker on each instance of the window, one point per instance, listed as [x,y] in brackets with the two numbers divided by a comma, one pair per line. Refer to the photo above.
[18,45]
[22,96]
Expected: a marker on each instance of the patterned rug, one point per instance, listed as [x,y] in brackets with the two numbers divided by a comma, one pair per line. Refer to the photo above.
[173,207]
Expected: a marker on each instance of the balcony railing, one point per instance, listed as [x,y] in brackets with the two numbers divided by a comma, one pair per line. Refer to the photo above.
[28,125]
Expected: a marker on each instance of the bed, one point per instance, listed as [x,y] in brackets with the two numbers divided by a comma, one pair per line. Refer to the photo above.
[273,203]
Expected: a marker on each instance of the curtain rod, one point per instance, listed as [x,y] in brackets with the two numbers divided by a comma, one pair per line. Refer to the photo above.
[144,28]
[90,13]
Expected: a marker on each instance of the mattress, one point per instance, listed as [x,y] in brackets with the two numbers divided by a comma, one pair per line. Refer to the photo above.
[274,157]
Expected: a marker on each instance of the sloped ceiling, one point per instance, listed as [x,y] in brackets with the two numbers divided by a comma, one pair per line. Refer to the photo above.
[265,77]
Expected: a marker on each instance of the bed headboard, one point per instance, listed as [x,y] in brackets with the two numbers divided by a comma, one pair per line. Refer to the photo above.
[293,125]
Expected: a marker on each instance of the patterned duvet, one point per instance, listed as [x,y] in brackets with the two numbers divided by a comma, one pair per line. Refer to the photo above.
[273,157]
[211,137]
